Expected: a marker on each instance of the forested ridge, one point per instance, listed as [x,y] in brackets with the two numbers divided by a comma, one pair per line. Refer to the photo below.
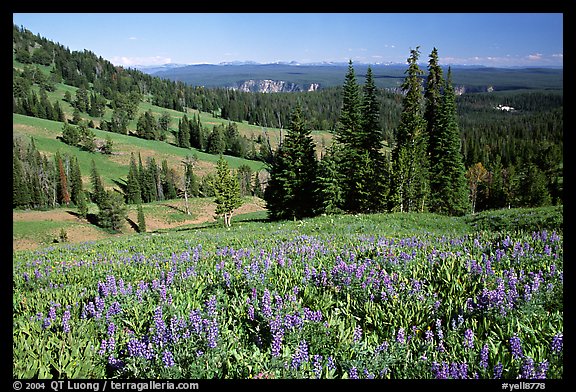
[510,157]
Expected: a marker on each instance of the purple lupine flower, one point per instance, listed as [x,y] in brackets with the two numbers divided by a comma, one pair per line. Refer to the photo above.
[46,324]
[331,365]
[527,368]
[516,347]
[353,373]
[159,337]
[196,320]
[498,370]
[99,303]
[251,313]
[266,302]
[111,284]
[65,321]
[469,338]
[317,363]
[103,345]
[212,335]
[541,370]
[440,370]
[52,313]
[400,337]
[168,359]
[115,363]
[301,355]
[114,309]
[111,329]
[211,305]
[439,329]
[277,342]
[428,336]
[557,343]
[381,348]
[357,336]
[484,356]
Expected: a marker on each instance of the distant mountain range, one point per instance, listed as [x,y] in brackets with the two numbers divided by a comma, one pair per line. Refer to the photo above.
[293,76]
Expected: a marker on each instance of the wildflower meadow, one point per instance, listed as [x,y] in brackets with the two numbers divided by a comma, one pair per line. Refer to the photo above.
[329,297]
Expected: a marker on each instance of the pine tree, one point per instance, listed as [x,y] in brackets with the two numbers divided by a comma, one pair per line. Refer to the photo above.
[20,191]
[76,187]
[183,133]
[448,187]
[112,211]
[82,204]
[350,120]
[133,192]
[141,220]
[63,191]
[98,192]
[349,135]
[372,174]
[410,187]
[227,191]
[168,183]
[329,180]
[257,188]
[291,190]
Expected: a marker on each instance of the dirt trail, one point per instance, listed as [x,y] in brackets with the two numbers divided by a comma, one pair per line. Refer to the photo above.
[79,230]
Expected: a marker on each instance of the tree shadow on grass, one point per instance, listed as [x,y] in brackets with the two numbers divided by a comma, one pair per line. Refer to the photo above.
[133,225]
[91,218]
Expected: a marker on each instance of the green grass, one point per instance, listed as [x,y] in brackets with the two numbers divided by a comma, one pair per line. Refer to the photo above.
[115,167]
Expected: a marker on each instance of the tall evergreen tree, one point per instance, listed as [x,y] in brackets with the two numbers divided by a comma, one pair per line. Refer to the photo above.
[112,211]
[133,190]
[98,191]
[20,191]
[373,174]
[329,183]
[141,220]
[184,133]
[76,187]
[291,190]
[349,134]
[82,204]
[63,191]
[410,185]
[448,185]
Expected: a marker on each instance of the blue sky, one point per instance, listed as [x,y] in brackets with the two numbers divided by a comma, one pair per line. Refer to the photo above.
[492,39]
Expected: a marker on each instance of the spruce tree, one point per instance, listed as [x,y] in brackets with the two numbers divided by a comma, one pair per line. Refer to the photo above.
[76,187]
[133,191]
[372,175]
[20,191]
[98,192]
[112,211]
[349,134]
[448,185]
[82,204]
[184,133]
[141,220]
[63,191]
[410,183]
[291,190]
[329,184]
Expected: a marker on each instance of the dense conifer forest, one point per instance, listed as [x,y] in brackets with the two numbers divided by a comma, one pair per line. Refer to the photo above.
[424,148]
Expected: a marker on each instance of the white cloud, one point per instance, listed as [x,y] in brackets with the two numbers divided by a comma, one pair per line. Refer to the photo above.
[151,60]
[132,38]
[560,55]
[535,56]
